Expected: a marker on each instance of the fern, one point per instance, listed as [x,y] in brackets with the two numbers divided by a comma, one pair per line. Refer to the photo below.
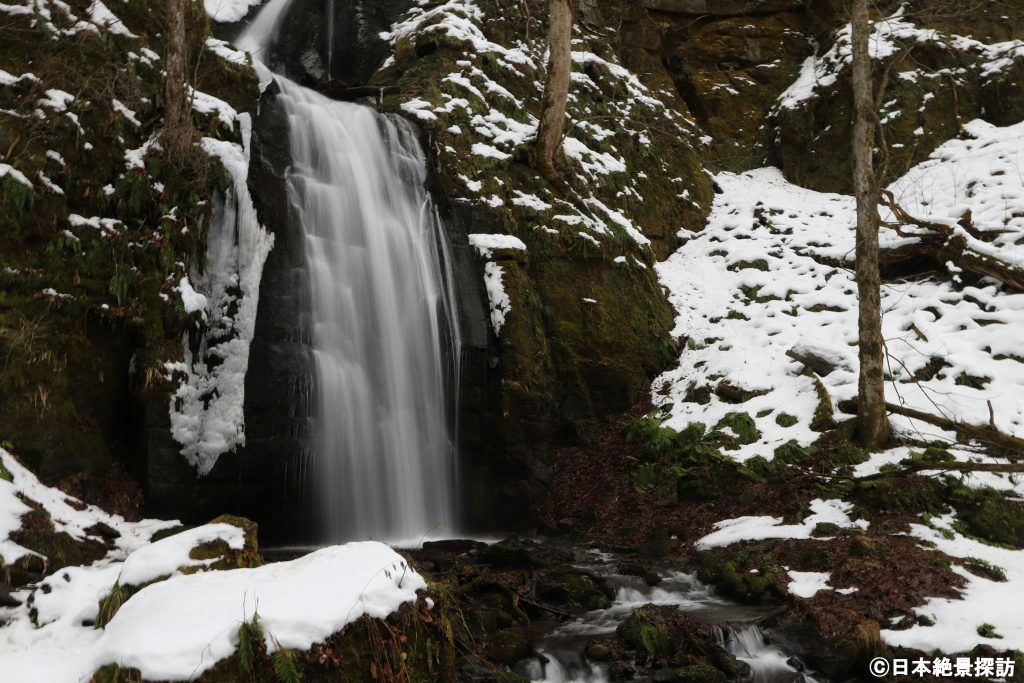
[645,477]
[250,635]
[286,667]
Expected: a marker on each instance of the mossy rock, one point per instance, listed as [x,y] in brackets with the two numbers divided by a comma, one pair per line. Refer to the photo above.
[38,534]
[785,420]
[509,646]
[510,555]
[642,632]
[698,673]
[742,425]
[825,529]
[836,641]
[762,587]
[675,641]
[225,556]
[997,521]
[415,645]
[659,543]
[905,494]
[575,588]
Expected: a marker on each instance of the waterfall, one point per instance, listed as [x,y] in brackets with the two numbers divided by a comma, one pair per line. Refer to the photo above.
[385,338]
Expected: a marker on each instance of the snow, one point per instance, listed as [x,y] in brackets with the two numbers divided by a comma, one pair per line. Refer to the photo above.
[100,15]
[124,111]
[224,50]
[208,104]
[594,163]
[982,600]
[488,151]
[757,281]
[806,584]
[1001,56]
[420,109]
[229,11]
[136,158]
[760,527]
[68,514]
[207,416]
[11,510]
[192,300]
[980,172]
[6,78]
[529,201]
[888,36]
[56,99]
[72,595]
[485,244]
[104,225]
[178,628]
[6,170]
[166,556]
[999,481]
[498,300]
[49,184]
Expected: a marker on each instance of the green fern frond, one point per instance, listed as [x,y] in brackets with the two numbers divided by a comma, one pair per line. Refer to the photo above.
[286,667]
[250,635]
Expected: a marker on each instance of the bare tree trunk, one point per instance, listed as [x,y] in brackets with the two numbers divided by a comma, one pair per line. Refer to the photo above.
[873,422]
[556,87]
[177,114]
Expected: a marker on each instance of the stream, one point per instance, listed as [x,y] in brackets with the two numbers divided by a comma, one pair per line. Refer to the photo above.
[560,646]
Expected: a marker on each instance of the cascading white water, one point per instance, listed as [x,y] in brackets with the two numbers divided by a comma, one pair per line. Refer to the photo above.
[768,663]
[384,330]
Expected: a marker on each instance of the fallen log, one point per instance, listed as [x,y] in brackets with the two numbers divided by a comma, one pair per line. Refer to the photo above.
[941,243]
[915,466]
[986,434]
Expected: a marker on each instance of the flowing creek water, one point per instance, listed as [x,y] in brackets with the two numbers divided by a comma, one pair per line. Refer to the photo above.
[561,646]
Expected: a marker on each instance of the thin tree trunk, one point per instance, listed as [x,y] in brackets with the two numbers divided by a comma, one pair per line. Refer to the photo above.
[177,114]
[873,422]
[556,88]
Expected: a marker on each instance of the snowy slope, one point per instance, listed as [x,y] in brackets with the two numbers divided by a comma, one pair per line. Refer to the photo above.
[765,276]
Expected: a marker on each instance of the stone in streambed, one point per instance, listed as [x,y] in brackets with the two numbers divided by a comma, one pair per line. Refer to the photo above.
[659,543]
[509,646]
[597,651]
[649,576]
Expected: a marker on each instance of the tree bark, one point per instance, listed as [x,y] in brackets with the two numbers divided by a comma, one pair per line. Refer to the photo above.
[873,422]
[556,88]
[177,113]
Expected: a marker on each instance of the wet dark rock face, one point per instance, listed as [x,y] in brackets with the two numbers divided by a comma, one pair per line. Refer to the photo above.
[263,480]
[731,66]
[325,40]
